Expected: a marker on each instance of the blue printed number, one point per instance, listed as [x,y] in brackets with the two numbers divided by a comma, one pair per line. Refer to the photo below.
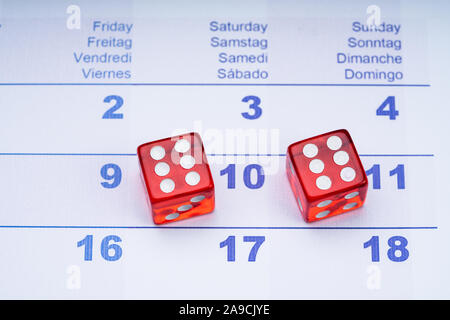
[109,251]
[375,173]
[250,183]
[259,176]
[87,243]
[398,244]
[112,173]
[110,113]
[258,240]
[254,105]
[399,171]
[230,243]
[374,243]
[397,248]
[388,104]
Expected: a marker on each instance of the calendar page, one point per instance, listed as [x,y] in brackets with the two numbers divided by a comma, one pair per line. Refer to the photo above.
[84,83]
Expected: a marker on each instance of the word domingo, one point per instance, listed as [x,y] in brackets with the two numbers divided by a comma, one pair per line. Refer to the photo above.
[390,76]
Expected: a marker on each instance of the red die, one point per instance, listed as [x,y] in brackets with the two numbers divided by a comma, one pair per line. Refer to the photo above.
[177,177]
[326,175]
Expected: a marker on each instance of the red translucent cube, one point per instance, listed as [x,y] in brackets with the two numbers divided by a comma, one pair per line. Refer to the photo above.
[326,175]
[177,177]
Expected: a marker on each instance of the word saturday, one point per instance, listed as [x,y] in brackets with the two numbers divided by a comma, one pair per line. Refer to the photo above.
[238,27]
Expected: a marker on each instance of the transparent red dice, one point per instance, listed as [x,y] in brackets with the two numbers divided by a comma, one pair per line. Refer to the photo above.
[177,177]
[326,175]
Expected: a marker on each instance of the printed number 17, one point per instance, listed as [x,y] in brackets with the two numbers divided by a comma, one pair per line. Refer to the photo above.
[230,243]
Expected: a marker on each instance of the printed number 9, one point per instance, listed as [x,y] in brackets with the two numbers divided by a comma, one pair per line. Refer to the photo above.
[256,101]
[115,177]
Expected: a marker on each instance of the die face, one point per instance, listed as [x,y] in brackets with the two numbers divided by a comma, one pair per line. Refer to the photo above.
[328,169]
[175,170]
[337,204]
[183,207]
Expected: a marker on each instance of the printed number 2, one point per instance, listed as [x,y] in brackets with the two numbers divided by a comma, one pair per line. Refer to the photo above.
[105,248]
[257,111]
[230,243]
[396,244]
[390,104]
[115,176]
[110,113]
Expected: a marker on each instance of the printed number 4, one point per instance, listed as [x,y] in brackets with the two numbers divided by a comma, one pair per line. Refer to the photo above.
[230,243]
[389,103]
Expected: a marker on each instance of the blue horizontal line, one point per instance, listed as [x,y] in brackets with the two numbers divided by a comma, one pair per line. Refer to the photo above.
[214,227]
[215,84]
[210,154]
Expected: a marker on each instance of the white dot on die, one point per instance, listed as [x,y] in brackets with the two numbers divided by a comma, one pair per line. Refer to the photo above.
[341,158]
[157,152]
[182,145]
[310,150]
[192,178]
[172,216]
[186,207]
[187,161]
[167,185]
[350,205]
[324,203]
[348,174]
[322,214]
[162,169]
[334,142]
[197,198]
[323,183]
[351,195]
[316,166]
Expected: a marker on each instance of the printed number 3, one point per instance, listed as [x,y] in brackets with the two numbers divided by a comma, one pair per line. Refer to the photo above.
[254,105]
